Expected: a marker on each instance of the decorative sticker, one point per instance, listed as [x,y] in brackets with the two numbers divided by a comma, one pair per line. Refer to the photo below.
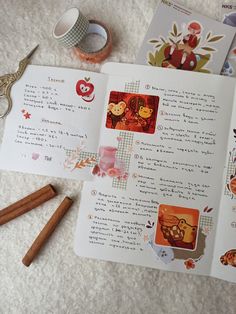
[177,227]
[132,112]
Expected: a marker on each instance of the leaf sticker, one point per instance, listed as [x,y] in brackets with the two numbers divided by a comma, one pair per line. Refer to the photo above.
[205,209]
[153,41]
[198,41]
[175,29]
[203,59]
[208,35]
[151,58]
[171,40]
[172,34]
[156,57]
[162,39]
[203,71]
[215,38]
[208,49]
[157,46]
[209,210]
[84,163]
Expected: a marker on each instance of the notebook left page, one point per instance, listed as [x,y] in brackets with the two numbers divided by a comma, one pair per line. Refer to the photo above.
[53,127]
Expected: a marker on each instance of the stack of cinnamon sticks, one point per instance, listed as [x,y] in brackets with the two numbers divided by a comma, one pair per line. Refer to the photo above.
[28,203]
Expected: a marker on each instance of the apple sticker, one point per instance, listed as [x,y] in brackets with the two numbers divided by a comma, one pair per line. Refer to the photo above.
[85,89]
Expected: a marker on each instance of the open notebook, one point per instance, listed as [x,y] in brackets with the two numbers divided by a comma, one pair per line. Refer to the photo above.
[159,148]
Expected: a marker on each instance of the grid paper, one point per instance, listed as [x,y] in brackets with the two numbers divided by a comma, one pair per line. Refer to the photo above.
[69,152]
[206,221]
[124,155]
[230,170]
[82,155]
[127,140]
[132,87]
[77,32]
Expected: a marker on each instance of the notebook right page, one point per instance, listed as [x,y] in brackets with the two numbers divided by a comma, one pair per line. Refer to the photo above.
[224,260]
[156,191]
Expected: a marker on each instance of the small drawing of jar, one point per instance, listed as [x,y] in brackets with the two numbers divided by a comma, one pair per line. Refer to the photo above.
[107,156]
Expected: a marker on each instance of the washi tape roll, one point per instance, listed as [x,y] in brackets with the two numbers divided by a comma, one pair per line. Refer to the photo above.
[97,56]
[71,28]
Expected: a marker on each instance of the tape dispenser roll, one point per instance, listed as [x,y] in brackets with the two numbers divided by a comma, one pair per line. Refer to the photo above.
[71,28]
[95,56]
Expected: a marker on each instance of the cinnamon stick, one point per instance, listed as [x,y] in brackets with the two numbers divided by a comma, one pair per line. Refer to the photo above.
[47,231]
[27,203]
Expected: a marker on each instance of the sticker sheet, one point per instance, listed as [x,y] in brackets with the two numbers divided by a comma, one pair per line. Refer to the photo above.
[156,193]
[224,265]
[53,128]
[179,38]
[229,18]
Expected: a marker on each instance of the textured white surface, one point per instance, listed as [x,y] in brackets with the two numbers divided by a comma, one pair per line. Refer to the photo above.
[58,281]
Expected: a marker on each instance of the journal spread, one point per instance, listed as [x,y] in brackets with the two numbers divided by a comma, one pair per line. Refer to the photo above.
[182,39]
[163,193]
[158,147]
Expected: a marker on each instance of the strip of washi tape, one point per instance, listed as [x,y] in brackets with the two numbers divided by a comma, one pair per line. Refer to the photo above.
[73,27]
[70,29]
[95,27]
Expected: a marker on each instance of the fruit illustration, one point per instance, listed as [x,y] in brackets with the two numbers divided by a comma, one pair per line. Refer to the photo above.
[85,89]
[175,62]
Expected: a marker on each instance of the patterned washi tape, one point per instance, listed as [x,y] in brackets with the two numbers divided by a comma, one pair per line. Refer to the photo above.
[71,28]
[97,56]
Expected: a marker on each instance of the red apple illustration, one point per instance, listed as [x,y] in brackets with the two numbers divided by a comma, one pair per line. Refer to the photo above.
[85,89]
[175,60]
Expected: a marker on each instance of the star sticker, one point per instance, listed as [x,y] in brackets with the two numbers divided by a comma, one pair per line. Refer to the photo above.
[27,115]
